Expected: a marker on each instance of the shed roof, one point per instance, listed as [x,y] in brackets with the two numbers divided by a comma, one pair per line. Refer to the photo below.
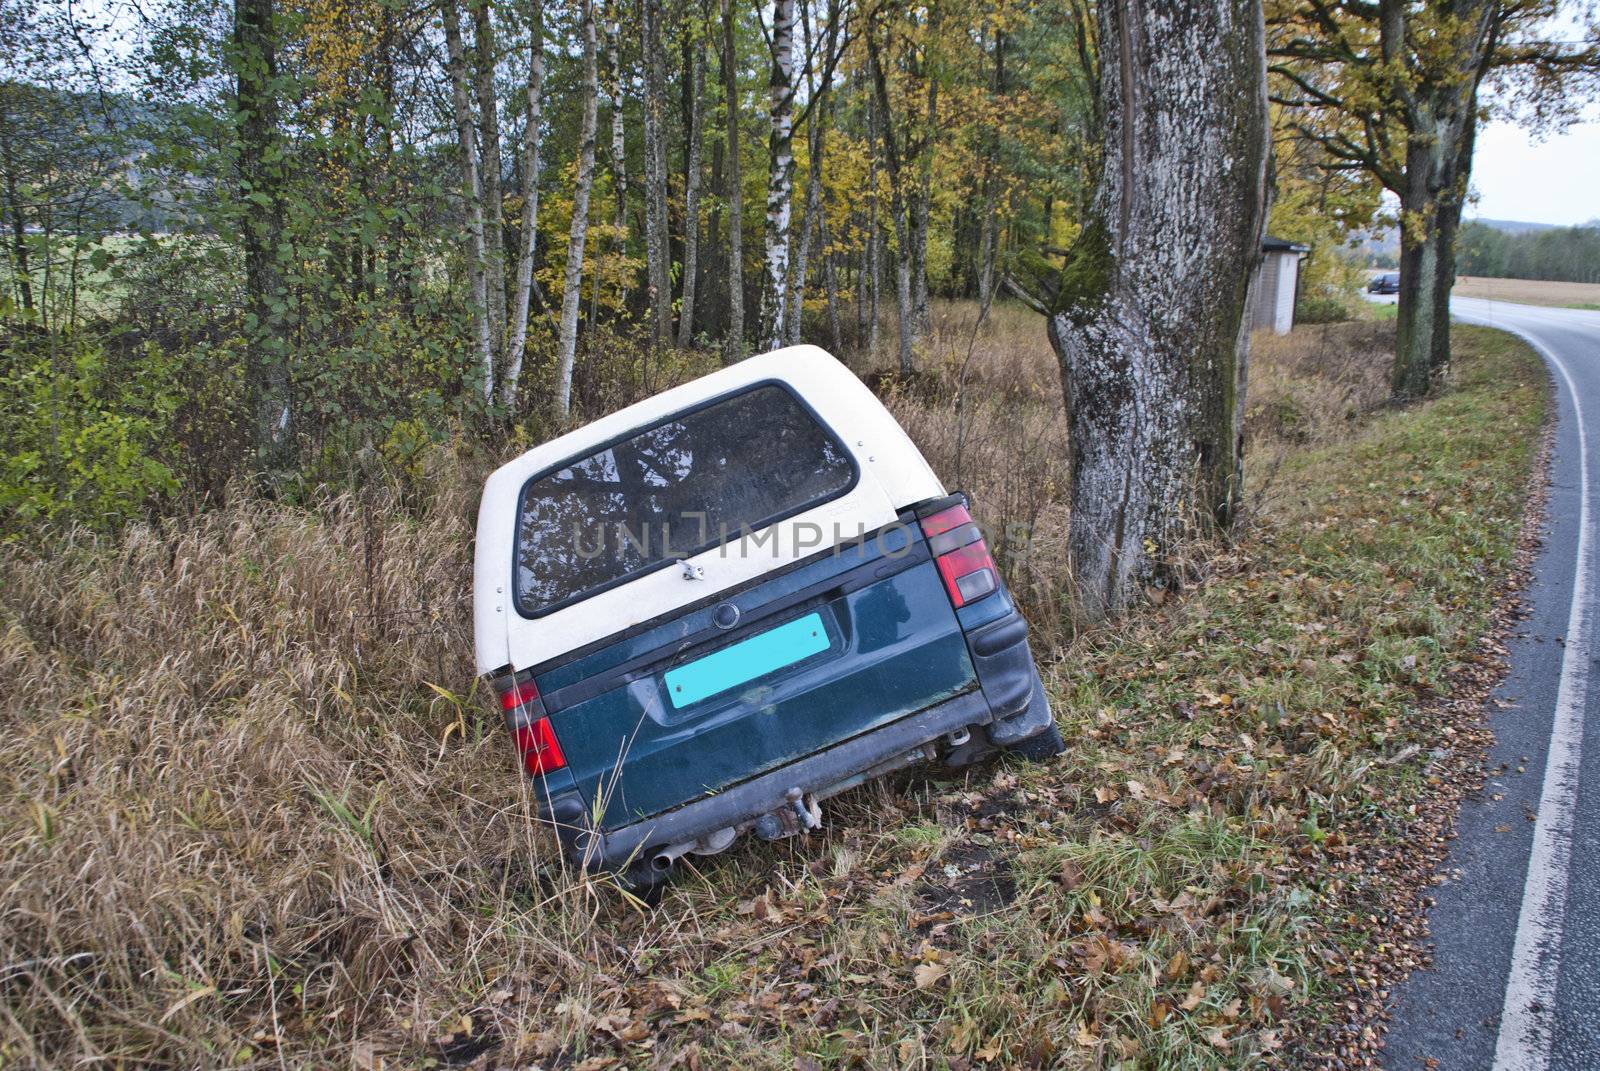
[1271,244]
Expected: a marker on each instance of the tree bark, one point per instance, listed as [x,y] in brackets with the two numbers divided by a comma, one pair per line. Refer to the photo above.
[991,185]
[733,347]
[899,212]
[472,195]
[1438,107]
[695,122]
[780,178]
[658,254]
[1151,318]
[261,194]
[572,281]
[530,205]
[924,194]
[494,253]
[808,230]
[619,142]
[874,251]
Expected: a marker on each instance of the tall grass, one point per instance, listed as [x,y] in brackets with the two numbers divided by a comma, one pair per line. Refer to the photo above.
[255,812]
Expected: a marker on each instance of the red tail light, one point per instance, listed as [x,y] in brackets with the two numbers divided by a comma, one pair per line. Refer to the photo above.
[530,729]
[539,748]
[958,548]
[519,695]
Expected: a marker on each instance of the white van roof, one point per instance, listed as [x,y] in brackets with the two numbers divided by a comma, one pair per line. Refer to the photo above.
[894,475]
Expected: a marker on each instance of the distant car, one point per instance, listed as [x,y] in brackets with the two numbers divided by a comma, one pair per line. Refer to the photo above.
[1387,283]
[707,612]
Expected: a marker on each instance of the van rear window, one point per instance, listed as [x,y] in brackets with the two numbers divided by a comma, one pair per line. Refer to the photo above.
[692,482]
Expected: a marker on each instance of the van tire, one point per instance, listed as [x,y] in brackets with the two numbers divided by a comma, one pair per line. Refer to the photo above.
[1040,747]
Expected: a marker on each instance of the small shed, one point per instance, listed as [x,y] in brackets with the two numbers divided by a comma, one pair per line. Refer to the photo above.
[1280,282]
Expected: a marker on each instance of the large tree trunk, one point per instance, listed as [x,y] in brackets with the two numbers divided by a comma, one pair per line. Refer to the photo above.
[658,253]
[733,347]
[1151,318]
[472,195]
[780,178]
[530,204]
[1440,118]
[494,252]
[695,77]
[572,282]
[1430,214]
[260,183]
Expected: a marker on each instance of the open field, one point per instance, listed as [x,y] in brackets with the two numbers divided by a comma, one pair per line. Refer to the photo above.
[255,815]
[1531,291]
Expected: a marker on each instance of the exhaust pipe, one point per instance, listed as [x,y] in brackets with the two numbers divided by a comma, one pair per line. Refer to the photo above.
[662,861]
[710,844]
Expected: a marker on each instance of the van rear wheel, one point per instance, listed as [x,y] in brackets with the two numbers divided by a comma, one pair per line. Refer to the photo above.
[1040,747]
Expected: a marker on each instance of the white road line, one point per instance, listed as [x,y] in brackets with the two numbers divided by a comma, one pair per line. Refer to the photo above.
[1527,1019]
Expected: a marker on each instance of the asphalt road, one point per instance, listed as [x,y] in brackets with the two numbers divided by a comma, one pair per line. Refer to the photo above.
[1515,984]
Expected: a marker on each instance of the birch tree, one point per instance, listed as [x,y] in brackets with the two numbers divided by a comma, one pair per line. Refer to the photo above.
[259,176]
[1151,317]
[694,109]
[532,135]
[658,268]
[619,134]
[572,281]
[494,256]
[780,178]
[471,194]
[733,346]
[814,225]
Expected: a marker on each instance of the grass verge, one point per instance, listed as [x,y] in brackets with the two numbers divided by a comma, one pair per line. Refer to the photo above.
[250,819]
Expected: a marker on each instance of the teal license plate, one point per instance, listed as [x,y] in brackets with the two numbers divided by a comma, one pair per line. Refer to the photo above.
[746,660]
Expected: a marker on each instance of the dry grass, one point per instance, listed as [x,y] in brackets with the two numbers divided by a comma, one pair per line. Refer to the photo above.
[1530,291]
[986,412]
[253,814]
[1312,386]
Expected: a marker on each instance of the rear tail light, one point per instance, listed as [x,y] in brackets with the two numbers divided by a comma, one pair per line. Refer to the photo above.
[530,730]
[963,559]
[539,748]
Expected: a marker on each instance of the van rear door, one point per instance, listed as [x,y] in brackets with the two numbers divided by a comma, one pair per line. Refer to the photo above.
[642,512]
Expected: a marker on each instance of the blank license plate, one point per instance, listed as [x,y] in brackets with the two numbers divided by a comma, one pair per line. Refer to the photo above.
[746,660]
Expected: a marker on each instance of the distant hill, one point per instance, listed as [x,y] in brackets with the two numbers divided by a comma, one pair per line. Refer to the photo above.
[1514,226]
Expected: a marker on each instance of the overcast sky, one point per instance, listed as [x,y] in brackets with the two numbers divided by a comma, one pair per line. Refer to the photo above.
[1556,180]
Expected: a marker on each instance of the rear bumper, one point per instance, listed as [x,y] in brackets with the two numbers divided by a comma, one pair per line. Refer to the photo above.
[1009,702]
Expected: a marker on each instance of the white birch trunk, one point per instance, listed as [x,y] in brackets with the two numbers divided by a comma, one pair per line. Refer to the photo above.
[733,347]
[517,348]
[572,292]
[1149,322]
[472,194]
[658,269]
[619,140]
[780,178]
